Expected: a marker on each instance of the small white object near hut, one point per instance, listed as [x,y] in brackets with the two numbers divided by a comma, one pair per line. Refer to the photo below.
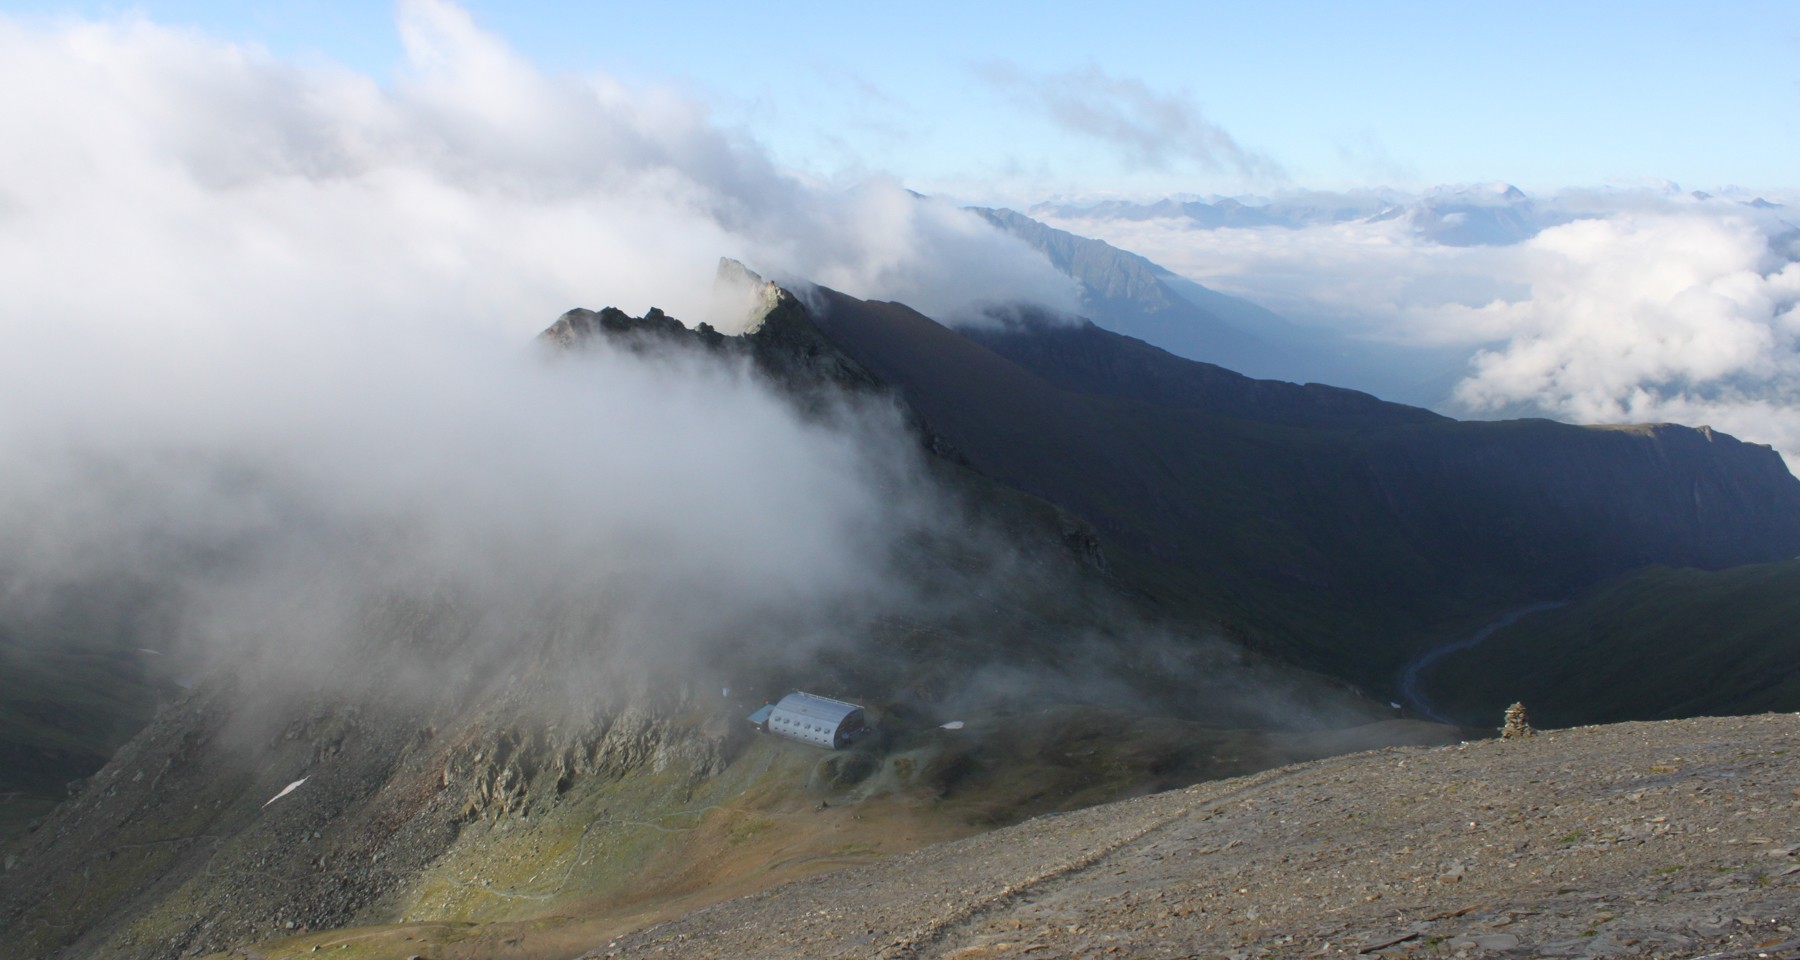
[810,718]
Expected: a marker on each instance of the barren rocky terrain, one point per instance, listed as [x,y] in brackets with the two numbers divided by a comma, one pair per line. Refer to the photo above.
[1675,839]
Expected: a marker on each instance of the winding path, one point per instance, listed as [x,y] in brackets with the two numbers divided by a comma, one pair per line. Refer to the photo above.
[1412,689]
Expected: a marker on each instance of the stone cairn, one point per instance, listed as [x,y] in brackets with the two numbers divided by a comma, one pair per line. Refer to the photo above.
[1517,726]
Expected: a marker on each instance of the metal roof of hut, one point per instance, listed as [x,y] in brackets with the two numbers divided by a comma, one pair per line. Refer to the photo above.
[810,718]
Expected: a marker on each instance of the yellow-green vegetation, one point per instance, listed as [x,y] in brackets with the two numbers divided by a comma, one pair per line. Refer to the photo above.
[616,854]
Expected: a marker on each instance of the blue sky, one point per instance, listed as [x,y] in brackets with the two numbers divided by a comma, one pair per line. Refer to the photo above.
[1013,101]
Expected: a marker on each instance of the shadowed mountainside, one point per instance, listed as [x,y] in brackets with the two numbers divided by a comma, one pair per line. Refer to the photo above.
[78,678]
[1345,529]
[1653,644]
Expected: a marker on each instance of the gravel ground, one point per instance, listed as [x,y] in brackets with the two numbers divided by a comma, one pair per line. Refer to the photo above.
[1678,839]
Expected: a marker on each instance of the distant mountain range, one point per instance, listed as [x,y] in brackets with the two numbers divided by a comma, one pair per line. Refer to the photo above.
[1485,215]
[1126,293]
[1493,214]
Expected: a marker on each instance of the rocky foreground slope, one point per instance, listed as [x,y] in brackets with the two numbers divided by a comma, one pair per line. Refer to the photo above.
[1674,839]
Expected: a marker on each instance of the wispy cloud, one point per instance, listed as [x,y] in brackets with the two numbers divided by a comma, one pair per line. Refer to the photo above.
[1364,153]
[1157,131]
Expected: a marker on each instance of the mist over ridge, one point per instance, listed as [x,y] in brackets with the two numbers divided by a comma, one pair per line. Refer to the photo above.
[474,189]
[267,347]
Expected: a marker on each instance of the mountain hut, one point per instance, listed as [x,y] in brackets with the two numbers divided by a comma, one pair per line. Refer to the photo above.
[810,718]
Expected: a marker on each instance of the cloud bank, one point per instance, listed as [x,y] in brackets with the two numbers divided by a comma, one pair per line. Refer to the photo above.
[1643,318]
[1632,305]
[266,352]
[171,169]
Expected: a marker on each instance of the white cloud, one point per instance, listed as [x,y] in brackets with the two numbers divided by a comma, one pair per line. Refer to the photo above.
[1642,318]
[175,170]
[277,319]
[1653,306]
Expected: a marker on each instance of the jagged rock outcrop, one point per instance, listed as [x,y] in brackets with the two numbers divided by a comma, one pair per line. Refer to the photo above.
[777,335]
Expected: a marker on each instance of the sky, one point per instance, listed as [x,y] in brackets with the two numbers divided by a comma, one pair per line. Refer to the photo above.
[1010,102]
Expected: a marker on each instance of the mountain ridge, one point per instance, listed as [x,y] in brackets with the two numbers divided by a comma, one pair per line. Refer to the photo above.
[1281,499]
[1127,293]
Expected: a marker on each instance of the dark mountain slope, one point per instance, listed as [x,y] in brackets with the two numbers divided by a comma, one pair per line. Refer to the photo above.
[76,680]
[1342,528]
[1084,358]
[1657,643]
